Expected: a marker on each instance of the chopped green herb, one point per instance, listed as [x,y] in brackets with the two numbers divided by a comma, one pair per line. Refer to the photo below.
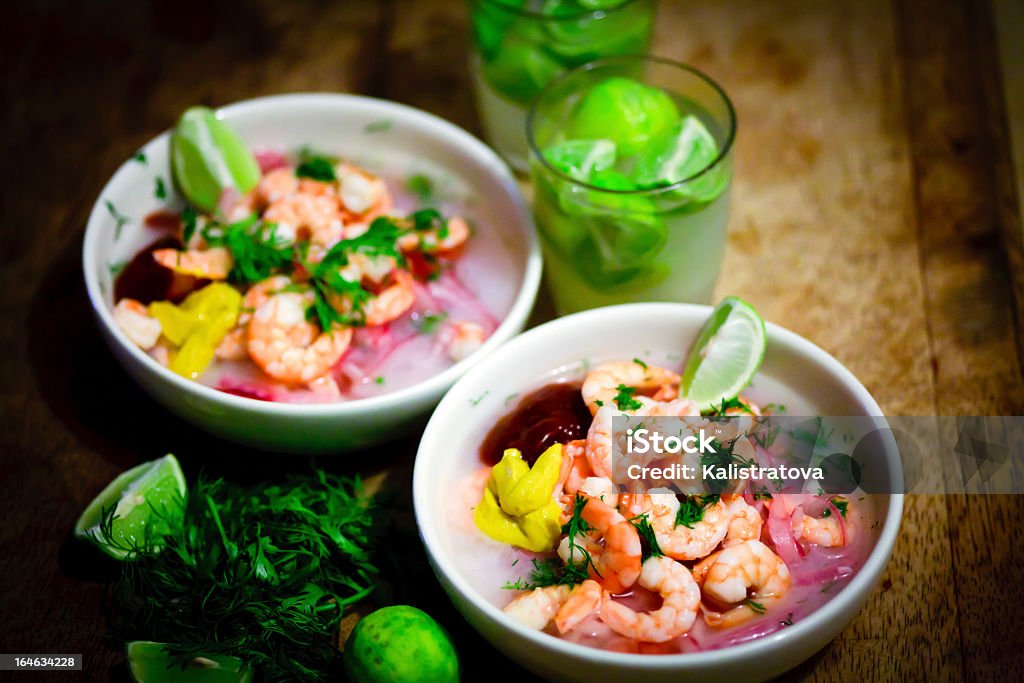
[189,221]
[755,607]
[625,400]
[316,168]
[379,126]
[648,540]
[599,403]
[140,157]
[692,508]
[788,621]
[476,401]
[159,190]
[120,219]
[378,380]
[116,268]
[421,186]
[728,404]
[839,504]
[640,363]
[256,249]
[429,322]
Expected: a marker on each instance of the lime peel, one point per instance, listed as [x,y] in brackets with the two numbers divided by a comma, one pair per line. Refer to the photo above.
[149,662]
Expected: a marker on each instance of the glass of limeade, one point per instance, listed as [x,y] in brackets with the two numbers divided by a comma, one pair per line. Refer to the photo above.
[631,168]
[519,46]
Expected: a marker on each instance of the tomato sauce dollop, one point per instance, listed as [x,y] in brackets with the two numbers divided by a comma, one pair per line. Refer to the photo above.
[555,413]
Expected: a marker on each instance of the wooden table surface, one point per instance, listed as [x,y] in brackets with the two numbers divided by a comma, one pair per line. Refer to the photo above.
[873,213]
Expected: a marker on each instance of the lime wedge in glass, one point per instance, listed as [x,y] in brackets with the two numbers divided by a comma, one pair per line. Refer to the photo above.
[684,151]
[578,159]
[208,157]
[625,111]
[148,502]
[149,662]
[725,356]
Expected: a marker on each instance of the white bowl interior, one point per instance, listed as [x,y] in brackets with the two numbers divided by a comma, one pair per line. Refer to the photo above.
[810,381]
[501,263]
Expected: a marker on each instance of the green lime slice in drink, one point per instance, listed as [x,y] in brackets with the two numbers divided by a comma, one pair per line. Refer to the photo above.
[579,159]
[149,662]
[521,68]
[148,502]
[208,157]
[400,644]
[625,111]
[725,356]
[684,151]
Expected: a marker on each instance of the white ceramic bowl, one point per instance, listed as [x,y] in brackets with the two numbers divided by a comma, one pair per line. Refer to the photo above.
[379,134]
[449,450]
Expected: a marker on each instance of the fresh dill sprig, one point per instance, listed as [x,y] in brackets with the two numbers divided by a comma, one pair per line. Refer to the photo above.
[263,573]
[551,572]
[648,540]
[728,404]
[256,249]
[692,509]
[839,504]
[755,607]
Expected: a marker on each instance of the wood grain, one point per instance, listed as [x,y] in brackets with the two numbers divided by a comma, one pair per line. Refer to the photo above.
[867,216]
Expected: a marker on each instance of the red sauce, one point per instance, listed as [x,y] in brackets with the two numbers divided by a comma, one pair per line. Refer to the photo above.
[552,414]
[164,220]
[145,280]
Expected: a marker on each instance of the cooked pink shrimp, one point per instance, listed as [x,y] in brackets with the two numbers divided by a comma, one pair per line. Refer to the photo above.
[744,521]
[301,216]
[740,582]
[537,608]
[601,385]
[600,436]
[618,565]
[137,324]
[583,600]
[464,339]
[364,196]
[395,300]
[683,542]
[209,264]
[575,469]
[277,185]
[233,346]
[680,602]
[827,532]
[287,346]
[443,240]
[679,407]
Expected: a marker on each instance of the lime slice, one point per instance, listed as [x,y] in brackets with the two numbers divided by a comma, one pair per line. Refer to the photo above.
[624,110]
[208,157]
[149,662]
[727,353]
[581,158]
[148,502]
[686,150]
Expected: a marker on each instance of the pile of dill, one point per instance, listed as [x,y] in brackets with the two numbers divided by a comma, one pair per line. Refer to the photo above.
[261,572]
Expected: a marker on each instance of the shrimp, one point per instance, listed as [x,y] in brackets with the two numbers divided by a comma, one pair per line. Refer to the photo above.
[827,532]
[392,302]
[617,566]
[443,240]
[233,346]
[680,602]
[742,580]
[137,324]
[601,384]
[575,469]
[583,600]
[316,217]
[287,346]
[682,542]
[464,339]
[680,407]
[744,521]
[210,264]
[385,306]
[363,196]
[277,184]
[600,437]
[537,608]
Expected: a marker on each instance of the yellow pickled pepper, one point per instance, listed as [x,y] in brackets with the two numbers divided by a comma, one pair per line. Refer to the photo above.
[198,325]
[518,506]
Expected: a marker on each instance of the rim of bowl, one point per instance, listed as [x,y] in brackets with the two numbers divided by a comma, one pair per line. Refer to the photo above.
[514,319]
[862,582]
[723,151]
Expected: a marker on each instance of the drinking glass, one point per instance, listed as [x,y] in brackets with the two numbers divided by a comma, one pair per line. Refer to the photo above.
[631,221]
[519,46]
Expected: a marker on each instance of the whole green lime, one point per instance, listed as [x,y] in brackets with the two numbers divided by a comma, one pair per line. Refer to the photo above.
[400,644]
[625,111]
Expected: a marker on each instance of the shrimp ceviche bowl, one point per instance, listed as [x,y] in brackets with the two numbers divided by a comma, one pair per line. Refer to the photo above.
[658,489]
[280,269]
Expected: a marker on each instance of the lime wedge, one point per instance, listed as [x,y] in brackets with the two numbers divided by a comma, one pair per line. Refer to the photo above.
[684,151]
[208,157]
[580,158]
[148,502]
[626,111]
[727,353]
[149,662]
